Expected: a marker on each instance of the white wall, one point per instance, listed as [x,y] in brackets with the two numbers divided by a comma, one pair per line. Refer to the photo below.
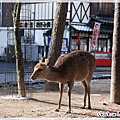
[44,11]
[39,39]
[85,20]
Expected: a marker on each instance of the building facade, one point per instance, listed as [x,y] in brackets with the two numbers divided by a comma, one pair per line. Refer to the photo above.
[37,21]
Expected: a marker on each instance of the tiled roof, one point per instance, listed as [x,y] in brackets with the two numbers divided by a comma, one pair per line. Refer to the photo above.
[85,28]
[104,19]
[81,27]
[108,31]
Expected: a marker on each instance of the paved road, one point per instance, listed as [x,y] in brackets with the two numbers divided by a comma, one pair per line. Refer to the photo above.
[10,70]
[102,73]
[10,66]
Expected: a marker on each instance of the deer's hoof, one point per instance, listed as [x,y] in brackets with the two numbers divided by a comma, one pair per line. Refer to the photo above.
[89,107]
[69,111]
[83,107]
[57,110]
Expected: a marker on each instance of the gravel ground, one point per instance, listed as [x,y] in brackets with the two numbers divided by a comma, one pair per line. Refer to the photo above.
[43,104]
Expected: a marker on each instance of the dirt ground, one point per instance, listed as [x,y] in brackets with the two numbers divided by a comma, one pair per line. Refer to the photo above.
[43,104]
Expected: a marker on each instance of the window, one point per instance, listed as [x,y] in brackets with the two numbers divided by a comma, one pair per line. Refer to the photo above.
[105,9]
[83,45]
[102,45]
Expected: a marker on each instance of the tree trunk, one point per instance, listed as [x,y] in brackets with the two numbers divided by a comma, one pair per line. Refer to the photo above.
[18,51]
[115,73]
[56,41]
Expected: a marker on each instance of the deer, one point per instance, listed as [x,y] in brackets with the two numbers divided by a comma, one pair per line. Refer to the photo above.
[76,66]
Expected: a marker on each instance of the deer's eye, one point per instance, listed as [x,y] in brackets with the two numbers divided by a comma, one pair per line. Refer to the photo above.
[39,69]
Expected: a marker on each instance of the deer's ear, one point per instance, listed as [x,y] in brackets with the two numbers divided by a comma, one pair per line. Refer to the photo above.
[40,69]
[42,59]
[42,64]
[47,61]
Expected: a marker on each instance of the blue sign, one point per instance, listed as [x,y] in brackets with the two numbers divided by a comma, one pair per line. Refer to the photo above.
[64,48]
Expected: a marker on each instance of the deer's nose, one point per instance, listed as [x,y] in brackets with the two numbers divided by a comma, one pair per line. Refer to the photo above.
[32,77]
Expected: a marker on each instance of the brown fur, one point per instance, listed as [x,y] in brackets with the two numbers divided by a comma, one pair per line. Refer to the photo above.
[75,66]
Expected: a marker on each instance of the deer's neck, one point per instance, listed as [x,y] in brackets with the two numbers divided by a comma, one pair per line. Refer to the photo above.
[53,75]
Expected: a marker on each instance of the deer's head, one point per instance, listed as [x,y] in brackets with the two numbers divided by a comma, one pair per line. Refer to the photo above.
[40,70]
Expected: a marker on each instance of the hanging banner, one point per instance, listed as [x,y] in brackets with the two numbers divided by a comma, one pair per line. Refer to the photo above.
[95,34]
[78,39]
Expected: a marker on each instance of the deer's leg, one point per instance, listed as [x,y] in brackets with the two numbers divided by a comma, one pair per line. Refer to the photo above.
[70,86]
[88,89]
[85,92]
[89,104]
[60,97]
